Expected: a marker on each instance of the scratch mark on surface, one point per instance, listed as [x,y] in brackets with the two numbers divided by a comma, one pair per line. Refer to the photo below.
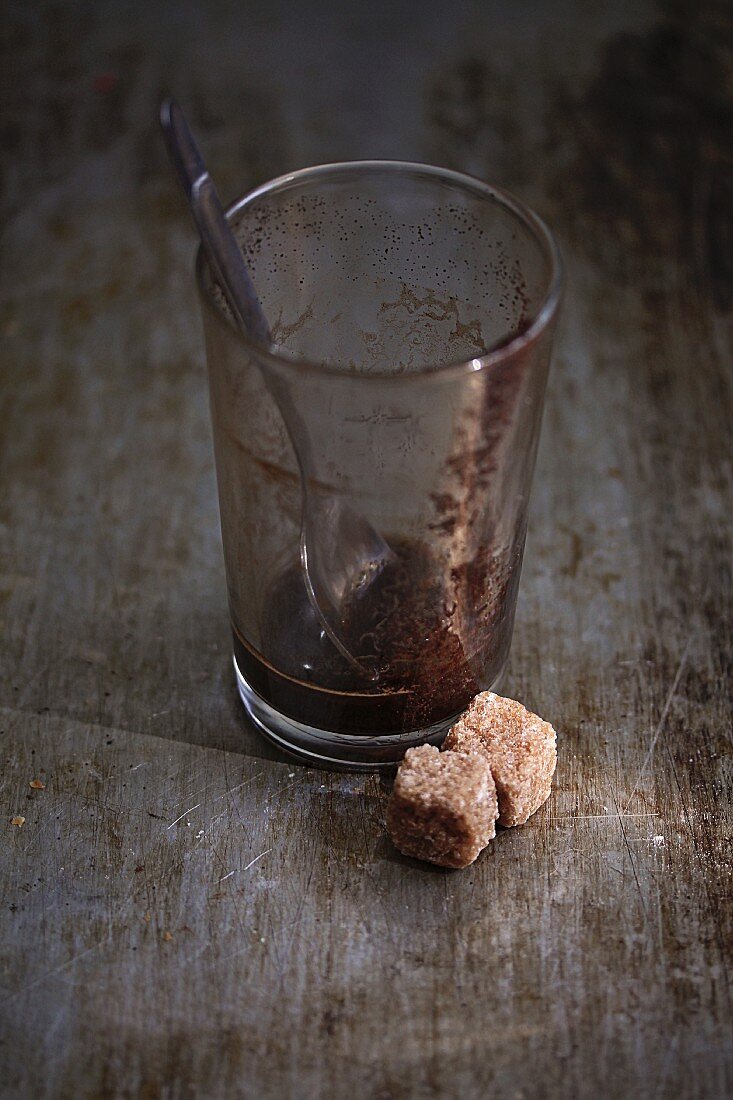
[205,832]
[185,812]
[239,786]
[58,969]
[660,723]
[600,817]
[41,829]
[633,869]
[54,1027]
[282,955]
[253,861]
[287,787]
[227,792]
[671,1047]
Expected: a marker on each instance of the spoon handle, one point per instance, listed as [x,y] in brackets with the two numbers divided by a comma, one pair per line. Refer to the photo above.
[222,250]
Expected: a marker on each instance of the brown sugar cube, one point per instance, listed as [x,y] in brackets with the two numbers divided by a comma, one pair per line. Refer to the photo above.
[519,746]
[443,806]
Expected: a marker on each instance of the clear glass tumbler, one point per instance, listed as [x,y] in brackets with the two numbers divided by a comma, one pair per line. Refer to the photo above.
[412,311]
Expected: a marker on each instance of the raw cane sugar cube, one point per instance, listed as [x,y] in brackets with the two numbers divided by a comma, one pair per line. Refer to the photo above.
[519,746]
[443,806]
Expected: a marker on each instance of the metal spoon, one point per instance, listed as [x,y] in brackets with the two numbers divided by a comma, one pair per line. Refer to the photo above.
[340,551]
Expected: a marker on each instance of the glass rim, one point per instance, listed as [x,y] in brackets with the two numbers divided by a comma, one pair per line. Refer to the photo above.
[508,347]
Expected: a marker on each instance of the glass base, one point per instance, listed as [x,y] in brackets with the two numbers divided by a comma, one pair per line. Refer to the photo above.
[325,749]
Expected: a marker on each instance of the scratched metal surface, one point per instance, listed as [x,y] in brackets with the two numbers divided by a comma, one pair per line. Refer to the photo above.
[186,914]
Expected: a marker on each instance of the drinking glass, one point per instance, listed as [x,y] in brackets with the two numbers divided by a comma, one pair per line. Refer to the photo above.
[412,310]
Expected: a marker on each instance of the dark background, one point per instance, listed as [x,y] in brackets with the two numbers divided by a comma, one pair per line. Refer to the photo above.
[184,913]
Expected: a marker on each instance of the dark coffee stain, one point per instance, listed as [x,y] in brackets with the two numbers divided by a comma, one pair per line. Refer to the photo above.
[282,333]
[77,310]
[60,227]
[470,120]
[653,138]
[458,101]
[401,626]
[576,556]
[433,307]
[333,1015]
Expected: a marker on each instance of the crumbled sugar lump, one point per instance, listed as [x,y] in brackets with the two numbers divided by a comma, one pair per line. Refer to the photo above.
[443,806]
[520,748]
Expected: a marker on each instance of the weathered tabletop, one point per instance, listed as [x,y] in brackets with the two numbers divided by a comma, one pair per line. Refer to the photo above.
[186,914]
